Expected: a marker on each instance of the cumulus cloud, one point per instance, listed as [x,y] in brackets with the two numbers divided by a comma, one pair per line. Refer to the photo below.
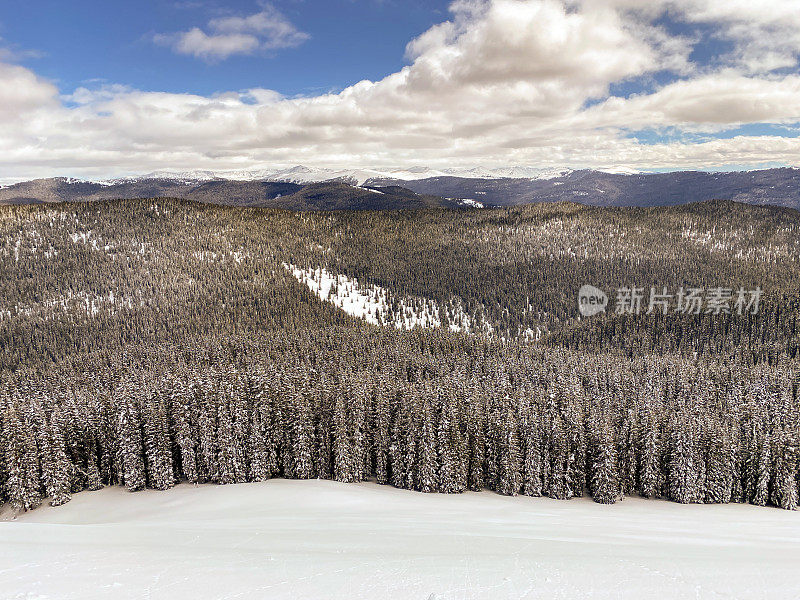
[713,102]
[23,93]
[502,82]
[765,35]
[264,30]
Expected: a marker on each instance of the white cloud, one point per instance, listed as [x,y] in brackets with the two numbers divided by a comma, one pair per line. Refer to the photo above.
[710,102]
[23,93]
[504,82]
[765,33]
[265,30]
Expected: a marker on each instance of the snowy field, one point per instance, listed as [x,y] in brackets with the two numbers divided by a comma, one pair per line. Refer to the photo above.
[320,539]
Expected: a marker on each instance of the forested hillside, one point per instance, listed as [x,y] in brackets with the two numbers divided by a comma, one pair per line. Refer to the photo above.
[305,189]
[328,195]
[148,342]
[776,187]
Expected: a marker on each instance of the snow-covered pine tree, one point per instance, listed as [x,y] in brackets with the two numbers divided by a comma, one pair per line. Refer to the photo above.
[344,463]
[131,446]
[627,446]
[240,398]
[272,418]
[683,476]
[259,431]
[184,430]
[650,468]
[476,438]
[158,452]
[763,473]
[427,479]
[510,463]
[56,469]
[381,432]
[21,462]
[358,393]
[718,482]
[303,435]
[94,480]
[604,479]
[225,440]
[574,419]
[558,484]
[450,445]
[784,486]
[532,458]
[403,443]
[323,459]
[208,468]
[736,460]
[492,440]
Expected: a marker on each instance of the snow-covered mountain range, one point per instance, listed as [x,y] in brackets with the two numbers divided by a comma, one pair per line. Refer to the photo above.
[303,174]
[355,188]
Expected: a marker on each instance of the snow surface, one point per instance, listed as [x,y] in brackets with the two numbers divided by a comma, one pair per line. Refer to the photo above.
[619,170]
[472,203]
[321,539]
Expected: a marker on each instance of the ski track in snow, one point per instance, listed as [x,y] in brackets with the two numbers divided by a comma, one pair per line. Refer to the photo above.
[322,539]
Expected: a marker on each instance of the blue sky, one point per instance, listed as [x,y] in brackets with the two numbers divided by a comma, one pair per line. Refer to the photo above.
[83,41]
[91,88]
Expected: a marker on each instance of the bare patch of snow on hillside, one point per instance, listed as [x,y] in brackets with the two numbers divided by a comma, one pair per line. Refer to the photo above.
[375,304]
[471,203]
[72,303]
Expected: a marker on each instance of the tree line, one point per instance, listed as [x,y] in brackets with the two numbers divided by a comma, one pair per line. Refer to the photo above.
[448,415]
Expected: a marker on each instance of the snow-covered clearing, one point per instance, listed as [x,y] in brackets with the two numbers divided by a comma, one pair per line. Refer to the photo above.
[375,305]
[321,539]
[472,203]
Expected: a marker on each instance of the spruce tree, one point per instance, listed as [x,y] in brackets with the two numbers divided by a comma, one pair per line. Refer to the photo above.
[604,483]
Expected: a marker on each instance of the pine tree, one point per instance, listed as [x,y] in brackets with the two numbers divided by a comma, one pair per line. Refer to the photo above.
[228,460]
[184,431]
[303,438]
[208,468]
[650,471]
[94,480]
[762,476]
[56,467]
[785,492]
[509,472]
[604,483]
[158,454]
[131,445]
[682,464]
[427,466]
[532,466]
[343,460]
[476,442]
[719,469]
[259,468]
[451,452]
[21,461]
[381,433]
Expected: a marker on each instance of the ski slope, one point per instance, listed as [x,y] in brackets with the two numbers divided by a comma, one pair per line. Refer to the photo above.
[326,540]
